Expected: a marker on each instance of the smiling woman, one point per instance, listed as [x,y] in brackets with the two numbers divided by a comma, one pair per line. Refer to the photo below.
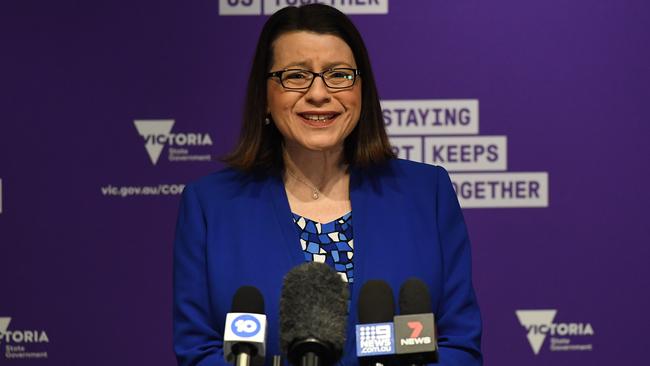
[315,117]
[313,153]
[325,36]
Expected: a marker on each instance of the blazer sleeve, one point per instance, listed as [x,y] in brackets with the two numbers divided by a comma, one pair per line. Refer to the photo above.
[196,338]
[458,317]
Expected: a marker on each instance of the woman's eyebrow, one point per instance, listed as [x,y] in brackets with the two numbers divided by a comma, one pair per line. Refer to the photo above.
[340,63]
[301,64]
[307,65]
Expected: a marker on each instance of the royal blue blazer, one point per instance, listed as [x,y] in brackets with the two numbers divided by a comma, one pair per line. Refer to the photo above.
[236,229]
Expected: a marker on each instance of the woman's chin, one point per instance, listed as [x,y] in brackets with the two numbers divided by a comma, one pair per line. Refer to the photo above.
[319,146]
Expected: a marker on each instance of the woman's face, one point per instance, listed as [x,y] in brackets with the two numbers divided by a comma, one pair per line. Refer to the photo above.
[319,118]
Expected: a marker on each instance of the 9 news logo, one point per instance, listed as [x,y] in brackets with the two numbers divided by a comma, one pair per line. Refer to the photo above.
[375,339]
[245,326]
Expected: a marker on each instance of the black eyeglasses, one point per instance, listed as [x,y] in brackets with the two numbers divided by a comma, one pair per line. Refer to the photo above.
[339,78]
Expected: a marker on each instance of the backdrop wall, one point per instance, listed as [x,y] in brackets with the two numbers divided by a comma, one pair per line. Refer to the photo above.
[537,108]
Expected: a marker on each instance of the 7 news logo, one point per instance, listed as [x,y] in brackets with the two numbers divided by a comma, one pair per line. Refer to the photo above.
[415,333]
[416,329]
[414,338]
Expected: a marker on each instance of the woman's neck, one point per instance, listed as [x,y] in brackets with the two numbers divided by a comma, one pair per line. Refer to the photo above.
[320,169]
[317,183]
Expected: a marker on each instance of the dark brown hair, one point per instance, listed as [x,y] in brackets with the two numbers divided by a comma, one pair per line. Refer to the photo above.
[260,146]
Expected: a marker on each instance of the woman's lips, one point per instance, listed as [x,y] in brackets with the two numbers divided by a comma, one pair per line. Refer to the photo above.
[318,120]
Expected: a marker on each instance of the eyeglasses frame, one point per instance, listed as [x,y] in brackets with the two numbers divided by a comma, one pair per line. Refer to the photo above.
[278,74]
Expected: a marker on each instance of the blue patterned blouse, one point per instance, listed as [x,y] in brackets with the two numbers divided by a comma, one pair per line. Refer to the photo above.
[330,243]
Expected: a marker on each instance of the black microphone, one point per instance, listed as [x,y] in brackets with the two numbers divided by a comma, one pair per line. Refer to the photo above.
[313,315]
[415,332]
[244,340]
[374,333]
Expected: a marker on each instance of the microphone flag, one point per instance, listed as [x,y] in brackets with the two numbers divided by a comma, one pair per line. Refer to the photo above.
[376,339]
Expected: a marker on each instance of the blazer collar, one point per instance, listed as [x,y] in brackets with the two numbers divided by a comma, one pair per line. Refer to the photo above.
[362,188]
[284,219]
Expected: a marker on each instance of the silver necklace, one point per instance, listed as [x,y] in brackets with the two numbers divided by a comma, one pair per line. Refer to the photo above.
[315,193]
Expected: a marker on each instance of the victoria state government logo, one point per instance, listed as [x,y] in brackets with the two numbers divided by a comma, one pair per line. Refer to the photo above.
[157,134]
[21,344]
[563,336]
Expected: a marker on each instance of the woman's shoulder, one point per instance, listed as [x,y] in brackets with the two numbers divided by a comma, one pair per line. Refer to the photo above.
[416,168]
[224,183]
[414,172]
[405,176]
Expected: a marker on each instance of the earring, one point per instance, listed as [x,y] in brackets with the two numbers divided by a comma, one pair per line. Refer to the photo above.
[267,121]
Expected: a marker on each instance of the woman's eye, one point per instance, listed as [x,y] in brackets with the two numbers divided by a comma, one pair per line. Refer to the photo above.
[340,75]
[295,76]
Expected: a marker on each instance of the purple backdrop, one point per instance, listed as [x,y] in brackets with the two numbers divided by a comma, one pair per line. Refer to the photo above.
[88,199]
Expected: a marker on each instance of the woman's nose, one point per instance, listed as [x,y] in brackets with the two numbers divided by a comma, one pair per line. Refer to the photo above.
[318,92]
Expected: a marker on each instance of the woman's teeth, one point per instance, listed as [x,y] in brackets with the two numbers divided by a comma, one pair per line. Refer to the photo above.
[319,117]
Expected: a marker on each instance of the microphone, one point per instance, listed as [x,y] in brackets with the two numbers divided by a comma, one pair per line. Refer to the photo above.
[374,333]
[313,315]
[244,340]
[415,332]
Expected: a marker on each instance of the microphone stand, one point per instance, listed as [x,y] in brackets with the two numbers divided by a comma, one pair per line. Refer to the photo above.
[244,354]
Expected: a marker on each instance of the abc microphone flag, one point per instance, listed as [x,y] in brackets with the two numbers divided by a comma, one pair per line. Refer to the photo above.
[244,340]
[415,332]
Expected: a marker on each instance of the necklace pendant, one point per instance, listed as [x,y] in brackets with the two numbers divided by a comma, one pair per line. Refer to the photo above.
[315,195]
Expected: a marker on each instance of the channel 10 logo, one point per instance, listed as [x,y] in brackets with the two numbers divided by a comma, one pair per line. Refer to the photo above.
[245,326]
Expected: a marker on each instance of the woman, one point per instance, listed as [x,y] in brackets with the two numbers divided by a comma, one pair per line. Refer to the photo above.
[313,154]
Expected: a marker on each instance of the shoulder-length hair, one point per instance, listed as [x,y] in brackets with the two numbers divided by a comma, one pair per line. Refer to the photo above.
[260,146]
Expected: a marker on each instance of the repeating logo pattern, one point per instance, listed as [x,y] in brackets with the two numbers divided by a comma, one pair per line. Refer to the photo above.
[157,135]
[540,323]
[22,344]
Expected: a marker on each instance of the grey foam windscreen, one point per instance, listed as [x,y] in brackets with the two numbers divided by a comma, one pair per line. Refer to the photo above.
[314,304]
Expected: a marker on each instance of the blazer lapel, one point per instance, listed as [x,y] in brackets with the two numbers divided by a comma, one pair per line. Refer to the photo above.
[276,194]
[359,191]
[361,198]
